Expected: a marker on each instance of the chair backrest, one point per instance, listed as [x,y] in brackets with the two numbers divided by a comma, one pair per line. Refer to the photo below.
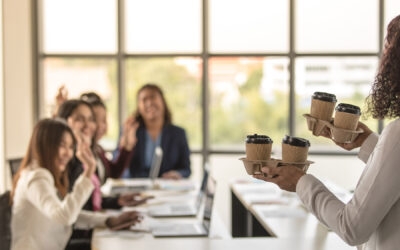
[5,221]
[14,165]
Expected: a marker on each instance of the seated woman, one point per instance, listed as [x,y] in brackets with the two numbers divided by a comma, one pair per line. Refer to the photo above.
[80,117]
[106,168]
[154,128]
[43,211]
[115,168]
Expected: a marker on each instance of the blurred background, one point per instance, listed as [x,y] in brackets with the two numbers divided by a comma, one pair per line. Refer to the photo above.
[228,69]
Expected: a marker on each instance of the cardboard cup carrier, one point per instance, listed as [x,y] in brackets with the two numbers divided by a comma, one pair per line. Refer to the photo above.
[258,152]
[343,128]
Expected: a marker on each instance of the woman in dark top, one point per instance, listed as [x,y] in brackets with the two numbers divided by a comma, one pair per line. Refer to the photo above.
[112,169]
[81,118]
[106,168]
[155,129]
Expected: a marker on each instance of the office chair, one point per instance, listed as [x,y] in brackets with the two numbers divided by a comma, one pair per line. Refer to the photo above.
[5,221]
[14,165]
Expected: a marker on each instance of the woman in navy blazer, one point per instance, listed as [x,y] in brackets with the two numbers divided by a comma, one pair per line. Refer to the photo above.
[175,153]
[153,119]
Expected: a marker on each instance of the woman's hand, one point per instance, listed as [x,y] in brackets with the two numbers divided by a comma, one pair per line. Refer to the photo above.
[85,154]
[128,138]
[172,175]
[286,177]
[61,97]
[124,220]
[132,199]
[356,143]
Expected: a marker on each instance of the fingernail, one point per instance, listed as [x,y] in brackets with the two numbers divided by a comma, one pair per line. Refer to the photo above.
[266,170]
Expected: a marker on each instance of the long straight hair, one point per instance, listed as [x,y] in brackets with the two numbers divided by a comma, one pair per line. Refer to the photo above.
[43,149]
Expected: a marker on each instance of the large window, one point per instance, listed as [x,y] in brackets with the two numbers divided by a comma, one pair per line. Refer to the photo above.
[84,75]
[247,95]
[248,26]
[155,26]
[72,26]
[180,78]
[334,26]
[228,68]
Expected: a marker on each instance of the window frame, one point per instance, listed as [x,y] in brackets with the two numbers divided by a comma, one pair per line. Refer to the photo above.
[121,56]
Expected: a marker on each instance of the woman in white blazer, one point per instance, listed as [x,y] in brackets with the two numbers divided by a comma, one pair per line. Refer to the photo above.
[43,211]
[371,218]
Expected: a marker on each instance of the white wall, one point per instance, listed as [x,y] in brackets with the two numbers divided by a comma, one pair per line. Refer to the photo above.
[17,79]
[2,174]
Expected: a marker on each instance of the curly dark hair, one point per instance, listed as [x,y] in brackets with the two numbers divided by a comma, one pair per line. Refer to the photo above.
[384,98]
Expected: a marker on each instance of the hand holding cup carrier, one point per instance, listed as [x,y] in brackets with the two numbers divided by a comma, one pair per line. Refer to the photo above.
[343,128]
[258,153]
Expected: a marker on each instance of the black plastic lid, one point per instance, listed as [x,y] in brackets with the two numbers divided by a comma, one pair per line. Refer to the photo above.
[296,141]
[348,108]
[259,139]
[324,96]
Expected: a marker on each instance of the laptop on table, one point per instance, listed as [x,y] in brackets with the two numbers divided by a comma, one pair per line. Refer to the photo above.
[153,175]
[182,209]
[198,228]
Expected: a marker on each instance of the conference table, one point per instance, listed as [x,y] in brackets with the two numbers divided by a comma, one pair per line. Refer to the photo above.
[262,209]
[289,229]
[331,242]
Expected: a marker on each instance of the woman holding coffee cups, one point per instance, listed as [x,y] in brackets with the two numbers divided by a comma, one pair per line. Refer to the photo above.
[371,218]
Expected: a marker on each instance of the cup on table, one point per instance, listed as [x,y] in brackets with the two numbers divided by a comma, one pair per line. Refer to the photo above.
[258,147]
[347,116]
[322,105]
[294,149]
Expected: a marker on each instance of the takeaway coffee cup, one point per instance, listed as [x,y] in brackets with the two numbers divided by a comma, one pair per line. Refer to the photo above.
[347,116]
[258,147]
[322,105]
[294,149]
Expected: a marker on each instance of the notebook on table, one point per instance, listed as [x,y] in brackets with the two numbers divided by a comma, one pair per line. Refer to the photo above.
[182,209]
[198,228]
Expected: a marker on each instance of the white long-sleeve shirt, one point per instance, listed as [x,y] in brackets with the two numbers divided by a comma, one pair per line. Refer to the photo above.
[371,220]
[40,219]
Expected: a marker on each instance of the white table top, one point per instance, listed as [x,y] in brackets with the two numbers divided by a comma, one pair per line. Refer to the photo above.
[172,195]
[329,242]
[281,213]
[295,230]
